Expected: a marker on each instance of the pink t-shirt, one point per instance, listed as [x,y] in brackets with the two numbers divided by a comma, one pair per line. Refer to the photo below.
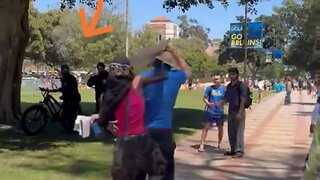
[135,120]
[289,86]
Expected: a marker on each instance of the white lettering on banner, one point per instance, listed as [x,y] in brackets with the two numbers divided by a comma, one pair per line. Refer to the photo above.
[236,28]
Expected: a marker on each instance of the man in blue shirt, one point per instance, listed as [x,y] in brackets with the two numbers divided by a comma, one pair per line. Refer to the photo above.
[160,98]
[214,110]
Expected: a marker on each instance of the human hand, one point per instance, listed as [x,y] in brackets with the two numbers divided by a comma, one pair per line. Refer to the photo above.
[168,48]
[238,117]
[94,117]
[43,89]
[112,127]
[211,104]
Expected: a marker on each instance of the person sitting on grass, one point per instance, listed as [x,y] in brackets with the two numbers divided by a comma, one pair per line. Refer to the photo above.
[214,110]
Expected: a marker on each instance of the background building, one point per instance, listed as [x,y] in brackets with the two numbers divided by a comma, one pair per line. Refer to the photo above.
[213,46]
[164,27]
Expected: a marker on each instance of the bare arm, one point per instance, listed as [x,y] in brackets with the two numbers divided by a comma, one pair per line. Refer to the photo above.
[242,100]
[139,81]
[205,100]
[180,62]
[242,97]
[224,99]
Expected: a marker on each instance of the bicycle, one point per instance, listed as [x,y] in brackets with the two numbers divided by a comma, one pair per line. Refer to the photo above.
[48,105]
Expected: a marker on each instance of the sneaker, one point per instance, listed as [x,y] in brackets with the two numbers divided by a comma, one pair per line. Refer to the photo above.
[238,155]
[229,153]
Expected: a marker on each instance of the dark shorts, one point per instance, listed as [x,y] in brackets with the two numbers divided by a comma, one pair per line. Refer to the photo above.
[214,119]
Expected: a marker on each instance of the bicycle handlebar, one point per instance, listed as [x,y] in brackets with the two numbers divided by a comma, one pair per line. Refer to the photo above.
[44,89]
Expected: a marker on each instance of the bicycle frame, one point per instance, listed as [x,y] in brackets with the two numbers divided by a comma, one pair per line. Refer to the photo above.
[51,103]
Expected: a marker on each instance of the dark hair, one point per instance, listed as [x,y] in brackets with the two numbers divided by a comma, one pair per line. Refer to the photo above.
[121,60]
[233,70]
[216,74]
[65,67]
[100,64]
[158,64]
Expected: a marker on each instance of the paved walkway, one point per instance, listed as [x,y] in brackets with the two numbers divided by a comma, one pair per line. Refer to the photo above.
[276,138]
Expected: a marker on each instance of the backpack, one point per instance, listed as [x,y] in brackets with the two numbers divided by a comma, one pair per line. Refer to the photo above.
[248,97]
[209,93]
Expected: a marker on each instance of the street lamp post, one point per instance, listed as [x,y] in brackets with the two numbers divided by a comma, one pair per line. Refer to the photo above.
[245,43]
[127,28]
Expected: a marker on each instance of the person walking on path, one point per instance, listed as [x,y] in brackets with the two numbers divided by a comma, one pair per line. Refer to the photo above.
[214,110]
[99,82]
[236,95]
[288,90]
[160,99]
[261,85]
[300,85]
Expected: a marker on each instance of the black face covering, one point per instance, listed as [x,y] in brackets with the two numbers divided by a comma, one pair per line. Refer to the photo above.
[118,88]
[119,83]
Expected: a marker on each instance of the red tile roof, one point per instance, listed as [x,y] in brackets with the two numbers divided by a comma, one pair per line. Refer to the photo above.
[160,19]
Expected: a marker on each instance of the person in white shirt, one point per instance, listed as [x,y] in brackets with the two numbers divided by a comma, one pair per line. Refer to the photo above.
[260,89]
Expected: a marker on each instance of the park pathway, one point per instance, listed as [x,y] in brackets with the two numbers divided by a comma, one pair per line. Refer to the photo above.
[276,138]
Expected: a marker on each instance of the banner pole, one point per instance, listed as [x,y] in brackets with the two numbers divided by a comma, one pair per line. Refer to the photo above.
[127,28]
[245,43]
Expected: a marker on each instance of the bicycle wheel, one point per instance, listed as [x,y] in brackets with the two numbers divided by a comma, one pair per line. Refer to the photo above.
[34,120]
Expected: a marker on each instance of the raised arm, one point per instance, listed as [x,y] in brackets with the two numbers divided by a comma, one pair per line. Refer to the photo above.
[180,62]
[140,81]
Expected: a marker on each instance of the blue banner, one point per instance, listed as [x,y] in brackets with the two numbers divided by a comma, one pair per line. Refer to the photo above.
[255,35]
[269,56]
[277,53]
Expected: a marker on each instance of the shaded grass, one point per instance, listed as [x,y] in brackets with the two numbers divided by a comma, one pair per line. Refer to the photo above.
[55,155]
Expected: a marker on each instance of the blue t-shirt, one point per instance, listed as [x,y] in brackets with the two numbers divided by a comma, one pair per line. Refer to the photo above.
[160,98]
[214,94]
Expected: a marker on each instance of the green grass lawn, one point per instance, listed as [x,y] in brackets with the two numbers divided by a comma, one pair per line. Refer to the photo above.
[55,155]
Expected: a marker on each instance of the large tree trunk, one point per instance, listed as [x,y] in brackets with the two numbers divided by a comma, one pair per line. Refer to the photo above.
[14,35]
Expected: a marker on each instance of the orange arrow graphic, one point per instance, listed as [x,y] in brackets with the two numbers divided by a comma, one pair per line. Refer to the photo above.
[91,30]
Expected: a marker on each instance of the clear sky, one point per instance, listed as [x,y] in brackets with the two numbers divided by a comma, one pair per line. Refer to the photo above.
[217,19]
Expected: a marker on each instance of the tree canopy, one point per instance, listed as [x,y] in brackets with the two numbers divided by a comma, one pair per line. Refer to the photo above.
[171,4]
[291,28]
[56,38]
